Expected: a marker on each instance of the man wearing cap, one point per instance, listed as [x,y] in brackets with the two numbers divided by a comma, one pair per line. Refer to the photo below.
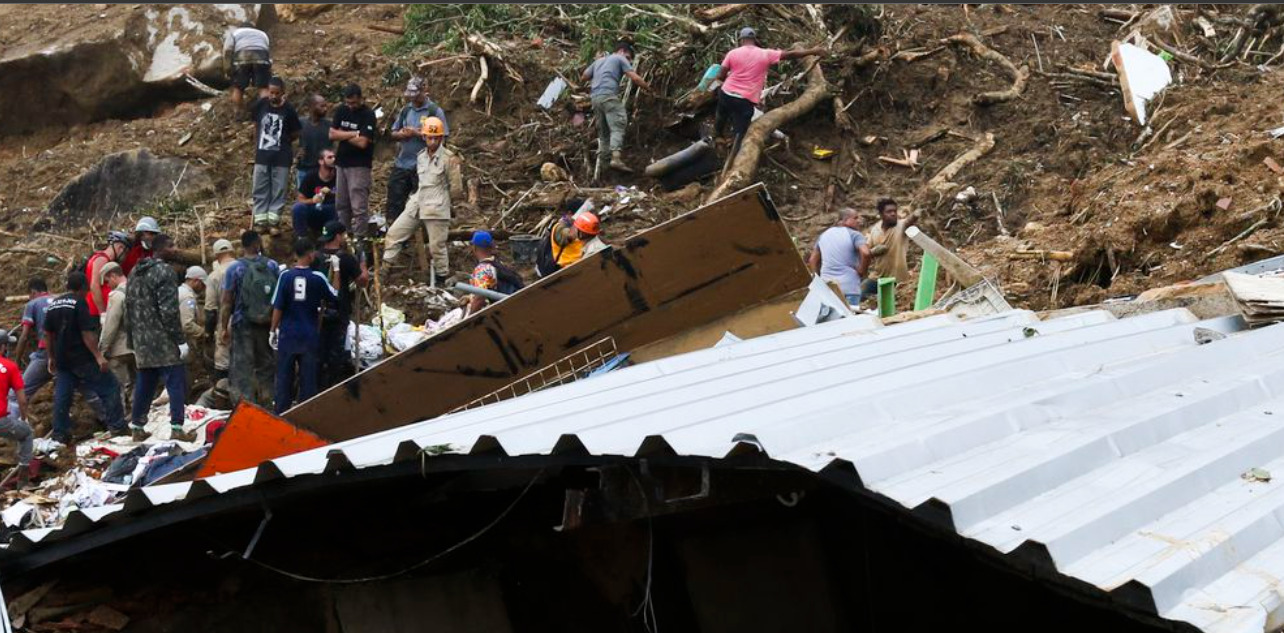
[315,205]
[193,286]
[246,52]
[13,424]
[353,129]
[223,257]
[118,244]
[490,273]
[440,180]
[743,74]
[146,230]
[113,342]
[407,129]
[276,125]
[155,332]
[605,74]
[577,237]
[346,274]
[296,306]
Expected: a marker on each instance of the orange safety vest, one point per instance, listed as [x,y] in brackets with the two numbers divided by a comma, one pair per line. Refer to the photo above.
[570,253]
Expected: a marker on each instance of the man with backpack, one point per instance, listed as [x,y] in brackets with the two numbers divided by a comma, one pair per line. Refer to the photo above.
[406,130]
[490,273]
[296,336]
[247,318]
[155,330]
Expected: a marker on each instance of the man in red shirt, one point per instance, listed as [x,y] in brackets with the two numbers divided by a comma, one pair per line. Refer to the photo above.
[13,425]
[144,233]
[743,74]
[117,245]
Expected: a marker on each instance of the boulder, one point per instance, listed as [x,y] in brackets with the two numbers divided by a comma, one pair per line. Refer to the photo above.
[124,61]
[126,182]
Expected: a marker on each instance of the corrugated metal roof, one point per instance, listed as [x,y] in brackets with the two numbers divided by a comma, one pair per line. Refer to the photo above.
[1106,453]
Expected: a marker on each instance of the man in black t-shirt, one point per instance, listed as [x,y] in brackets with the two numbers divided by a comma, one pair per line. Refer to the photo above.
[315,205]
[353,129]
[71,336]
[336,362]
[276,125]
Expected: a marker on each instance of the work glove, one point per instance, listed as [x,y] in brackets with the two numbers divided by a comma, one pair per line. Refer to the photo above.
[183,350]
[273,339]
[334,262]
[211,322]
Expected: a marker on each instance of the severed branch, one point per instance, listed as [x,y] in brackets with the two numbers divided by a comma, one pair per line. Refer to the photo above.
[713,14]
[1018,75]
[481,79]
[942,182]
[745,165]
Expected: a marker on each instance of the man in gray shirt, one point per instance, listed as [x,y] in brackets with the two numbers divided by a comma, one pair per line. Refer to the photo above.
[841,255]
[406,129]
[247,55]
[605,74]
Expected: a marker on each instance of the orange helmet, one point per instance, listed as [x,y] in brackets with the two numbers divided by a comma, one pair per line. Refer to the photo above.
[434,127]
[587,223]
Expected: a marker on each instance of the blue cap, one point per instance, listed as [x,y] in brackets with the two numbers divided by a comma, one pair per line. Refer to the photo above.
[482,239]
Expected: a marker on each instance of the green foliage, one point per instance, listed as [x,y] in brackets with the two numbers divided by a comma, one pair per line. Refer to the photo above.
[595,28]
[170,209]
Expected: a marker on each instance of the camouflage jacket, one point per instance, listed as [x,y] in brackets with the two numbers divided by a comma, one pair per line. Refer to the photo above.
[151,314]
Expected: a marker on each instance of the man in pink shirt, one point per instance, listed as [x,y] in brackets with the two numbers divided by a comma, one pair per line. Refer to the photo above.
[743,74]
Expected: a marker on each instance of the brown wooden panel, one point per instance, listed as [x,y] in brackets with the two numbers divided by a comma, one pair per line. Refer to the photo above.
[689,271]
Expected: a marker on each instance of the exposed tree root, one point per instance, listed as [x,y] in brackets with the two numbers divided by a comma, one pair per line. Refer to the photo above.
[942,182]
[1018,75]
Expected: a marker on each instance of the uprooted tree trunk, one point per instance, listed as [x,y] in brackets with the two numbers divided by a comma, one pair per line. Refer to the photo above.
[943,181]
[746,162]
[1018,75]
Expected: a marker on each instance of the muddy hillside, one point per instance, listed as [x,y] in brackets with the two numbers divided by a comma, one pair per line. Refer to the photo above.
[1003,125]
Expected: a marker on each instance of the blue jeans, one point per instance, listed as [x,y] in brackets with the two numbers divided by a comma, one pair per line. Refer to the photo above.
[307,363]
[853,300]
[101,383]
[307,217]
[175,377]
[37,375]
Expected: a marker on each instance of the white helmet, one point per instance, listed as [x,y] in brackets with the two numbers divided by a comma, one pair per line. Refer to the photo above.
[149,224]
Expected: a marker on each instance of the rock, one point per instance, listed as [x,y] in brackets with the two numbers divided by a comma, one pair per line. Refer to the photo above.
[125,182]
[550,172]
[120,66]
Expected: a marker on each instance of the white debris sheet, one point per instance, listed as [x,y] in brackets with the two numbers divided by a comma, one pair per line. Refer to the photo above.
[1142,76]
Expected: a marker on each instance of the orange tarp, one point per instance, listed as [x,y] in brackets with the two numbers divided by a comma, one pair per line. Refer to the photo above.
[253,436]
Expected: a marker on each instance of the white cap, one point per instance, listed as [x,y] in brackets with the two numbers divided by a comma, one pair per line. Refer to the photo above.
[222,246]
[149,224]
[196,272]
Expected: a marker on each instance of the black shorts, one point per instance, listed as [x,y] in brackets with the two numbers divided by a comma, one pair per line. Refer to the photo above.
[734,110]
[245,74]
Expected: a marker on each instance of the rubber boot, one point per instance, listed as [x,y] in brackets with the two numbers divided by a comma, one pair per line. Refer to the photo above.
[617,162]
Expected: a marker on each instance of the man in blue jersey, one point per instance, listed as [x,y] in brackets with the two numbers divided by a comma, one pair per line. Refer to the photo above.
[296,325]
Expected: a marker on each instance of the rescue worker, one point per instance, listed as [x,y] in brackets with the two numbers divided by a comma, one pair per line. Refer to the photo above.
[575,238]
[296,311]
[118,244]
[404,178]
[114,342]
[223,257]
[247,317]
[13,424]
[490,273]
[155,333]
[605,75]
[247,54]
[440,179]
[146,231]
[743,75]
[191,293]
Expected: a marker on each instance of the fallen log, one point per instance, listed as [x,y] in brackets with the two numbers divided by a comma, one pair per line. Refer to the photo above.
[1018,75]
[943,180]
[745,165]
[395,30]
[713,14]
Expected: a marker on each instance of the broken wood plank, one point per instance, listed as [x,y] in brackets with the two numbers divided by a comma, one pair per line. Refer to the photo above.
[962,271]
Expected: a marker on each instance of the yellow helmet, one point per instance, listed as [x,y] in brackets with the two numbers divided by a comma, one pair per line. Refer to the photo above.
[433,126]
